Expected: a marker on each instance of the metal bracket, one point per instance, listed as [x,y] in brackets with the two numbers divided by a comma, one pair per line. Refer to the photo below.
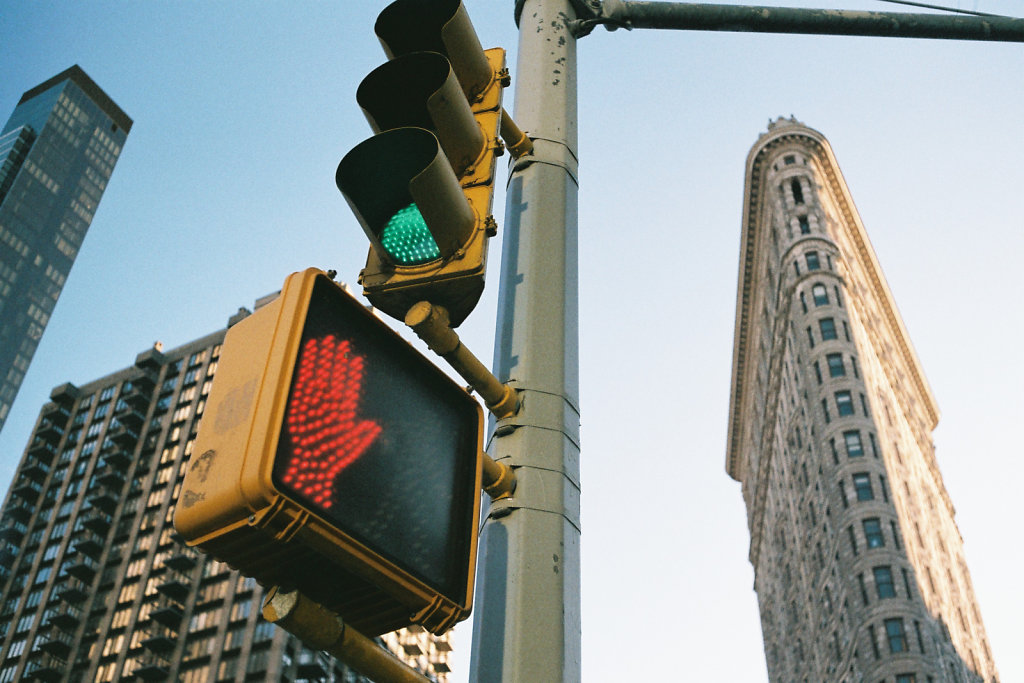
[611,14]
[586,9]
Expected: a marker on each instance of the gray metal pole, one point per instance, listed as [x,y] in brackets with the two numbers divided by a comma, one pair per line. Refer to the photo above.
[706,17]
[527,609]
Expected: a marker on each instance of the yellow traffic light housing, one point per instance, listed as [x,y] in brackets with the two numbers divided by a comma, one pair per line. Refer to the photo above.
[334,458]
[423,186]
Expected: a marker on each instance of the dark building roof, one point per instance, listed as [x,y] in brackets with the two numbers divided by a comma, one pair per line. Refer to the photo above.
[82,80]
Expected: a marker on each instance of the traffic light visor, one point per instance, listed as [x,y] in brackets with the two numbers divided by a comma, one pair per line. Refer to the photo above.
[407,199]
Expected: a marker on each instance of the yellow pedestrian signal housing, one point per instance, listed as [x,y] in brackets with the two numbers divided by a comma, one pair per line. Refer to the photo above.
[423,185]
[335,459]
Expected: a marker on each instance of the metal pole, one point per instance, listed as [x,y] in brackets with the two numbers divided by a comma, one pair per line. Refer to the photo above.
[707,17]
[527,614]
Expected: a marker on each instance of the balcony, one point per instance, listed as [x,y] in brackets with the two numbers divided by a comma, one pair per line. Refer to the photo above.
[11,534]
[110,477]
[49,430]
[182,561]
[72,590]
[43,666]
[43,450]
[90,546]
[167,612]
[121,434]
[131,417]
[106,500]
[149,360]
[63,616]
[152,666]
[27,490]
[18,511]
[311,666]
[138,395]
[55,641]
[35,471]
[175,586]
[115,457]
[82,567]
[97,521]
[158,638]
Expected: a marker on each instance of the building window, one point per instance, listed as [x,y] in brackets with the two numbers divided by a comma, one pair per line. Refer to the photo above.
[862,485]
[817,372]
[813,263]
[917,629]
[810,337]
[828,328]
[796,267]
[906,678]
[854,447]
[864,405]
[839,299]
[885,489]
[844,403]
[883,582]
[835,452]
[798,192]
[853,538]
[803,302]
[873,533]
[846,331]
[895,535]
[896,634]
[836,368]
[864,596]
[789,160]
[824,410]
[820,295]
[906,586]
[805,227]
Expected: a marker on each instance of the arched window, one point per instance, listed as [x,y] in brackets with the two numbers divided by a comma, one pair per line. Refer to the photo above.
[798,192]
[820,295]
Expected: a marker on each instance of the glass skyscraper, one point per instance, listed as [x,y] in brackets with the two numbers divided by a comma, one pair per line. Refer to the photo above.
[57,152]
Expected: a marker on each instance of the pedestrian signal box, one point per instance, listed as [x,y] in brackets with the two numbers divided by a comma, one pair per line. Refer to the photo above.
[335,459]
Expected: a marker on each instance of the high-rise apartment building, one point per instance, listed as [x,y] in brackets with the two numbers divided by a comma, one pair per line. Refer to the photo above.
[57,152]
[94,583]
[859,566]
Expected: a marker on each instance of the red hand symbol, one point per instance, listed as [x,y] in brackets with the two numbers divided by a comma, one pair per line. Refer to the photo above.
[326,437]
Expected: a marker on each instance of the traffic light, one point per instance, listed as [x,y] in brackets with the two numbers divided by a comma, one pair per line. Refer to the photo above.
[423,185]
[335,459]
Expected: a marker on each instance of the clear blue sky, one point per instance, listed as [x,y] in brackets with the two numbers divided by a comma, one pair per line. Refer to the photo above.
[225,186]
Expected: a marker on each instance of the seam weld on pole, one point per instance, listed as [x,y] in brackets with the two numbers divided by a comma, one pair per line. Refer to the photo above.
[758,19]
[430,323]
[318,627]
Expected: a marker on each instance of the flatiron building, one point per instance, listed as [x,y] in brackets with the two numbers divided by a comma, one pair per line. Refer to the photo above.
[859,568]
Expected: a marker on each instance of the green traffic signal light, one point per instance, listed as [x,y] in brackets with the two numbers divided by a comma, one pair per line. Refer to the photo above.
[407,239]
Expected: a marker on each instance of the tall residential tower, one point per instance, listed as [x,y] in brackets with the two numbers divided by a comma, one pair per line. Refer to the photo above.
[859,566]
[94,583]
[57,152]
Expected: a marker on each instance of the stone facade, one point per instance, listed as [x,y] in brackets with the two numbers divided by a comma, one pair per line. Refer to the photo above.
[859,566]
